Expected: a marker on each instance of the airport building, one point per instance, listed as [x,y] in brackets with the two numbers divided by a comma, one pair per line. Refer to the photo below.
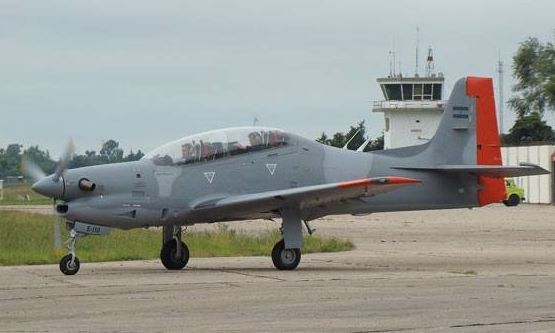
[412,106]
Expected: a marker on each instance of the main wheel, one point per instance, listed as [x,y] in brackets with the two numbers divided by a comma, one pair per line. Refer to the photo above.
[513,200]
[169,257]
[67,267]
[285,259]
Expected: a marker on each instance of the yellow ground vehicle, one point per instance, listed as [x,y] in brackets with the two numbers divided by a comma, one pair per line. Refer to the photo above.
[515,194]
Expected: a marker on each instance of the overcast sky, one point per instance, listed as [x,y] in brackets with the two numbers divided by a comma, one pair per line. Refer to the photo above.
[146,72]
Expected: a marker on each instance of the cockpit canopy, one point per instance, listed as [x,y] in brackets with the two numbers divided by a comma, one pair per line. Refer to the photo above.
[213,145]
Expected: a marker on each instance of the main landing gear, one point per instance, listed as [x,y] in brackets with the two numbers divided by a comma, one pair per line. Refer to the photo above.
[285,259]
[286,254]
[175,253]
[69,264]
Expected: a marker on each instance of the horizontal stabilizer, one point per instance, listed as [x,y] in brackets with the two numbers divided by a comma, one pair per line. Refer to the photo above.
[493,171]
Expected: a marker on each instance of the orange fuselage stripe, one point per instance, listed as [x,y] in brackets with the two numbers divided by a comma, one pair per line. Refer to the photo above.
[391,180]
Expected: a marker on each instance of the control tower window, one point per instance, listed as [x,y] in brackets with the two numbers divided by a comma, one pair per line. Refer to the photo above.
[427,92]
[418,92]
[437,92]
[407,92]
[393,92]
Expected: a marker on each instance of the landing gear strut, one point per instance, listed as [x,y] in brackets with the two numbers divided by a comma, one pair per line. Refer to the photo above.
[69,264]
[175,253]
[286,254]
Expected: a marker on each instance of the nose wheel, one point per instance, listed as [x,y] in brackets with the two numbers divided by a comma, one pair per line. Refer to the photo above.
[69,264]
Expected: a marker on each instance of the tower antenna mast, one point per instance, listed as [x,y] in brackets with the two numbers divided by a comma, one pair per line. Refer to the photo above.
[417,47]
[430,63]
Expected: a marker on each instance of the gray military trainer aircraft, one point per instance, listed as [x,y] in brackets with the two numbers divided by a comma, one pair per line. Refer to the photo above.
[263,173]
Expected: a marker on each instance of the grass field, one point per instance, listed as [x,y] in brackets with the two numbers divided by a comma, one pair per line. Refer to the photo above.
[27,238]
[17,194]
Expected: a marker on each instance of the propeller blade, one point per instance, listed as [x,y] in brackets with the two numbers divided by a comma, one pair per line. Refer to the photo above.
[57,230]
[63,164]
[31,170]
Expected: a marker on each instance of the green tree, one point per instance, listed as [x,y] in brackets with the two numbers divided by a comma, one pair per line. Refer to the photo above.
[323,138]
[40,158]
[529,129]
[534,71]
[110,152]
[134,156]
[89,158]
[10,159]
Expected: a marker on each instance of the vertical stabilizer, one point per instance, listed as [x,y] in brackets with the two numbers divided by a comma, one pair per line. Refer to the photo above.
[462,163]
[468,134]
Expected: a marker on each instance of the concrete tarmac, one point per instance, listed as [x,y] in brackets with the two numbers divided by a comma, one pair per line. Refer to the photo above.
[483,270]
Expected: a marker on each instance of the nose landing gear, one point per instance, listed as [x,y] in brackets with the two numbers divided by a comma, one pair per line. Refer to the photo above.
[69,264]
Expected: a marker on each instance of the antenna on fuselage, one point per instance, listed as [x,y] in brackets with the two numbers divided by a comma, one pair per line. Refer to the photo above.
[351,139]
[364,144]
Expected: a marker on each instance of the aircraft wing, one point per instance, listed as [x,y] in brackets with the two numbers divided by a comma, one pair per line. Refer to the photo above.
[303,197]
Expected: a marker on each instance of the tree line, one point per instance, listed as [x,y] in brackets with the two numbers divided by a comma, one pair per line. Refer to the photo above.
[12,156]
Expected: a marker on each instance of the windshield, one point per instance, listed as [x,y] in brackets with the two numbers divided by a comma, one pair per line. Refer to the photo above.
[218,144]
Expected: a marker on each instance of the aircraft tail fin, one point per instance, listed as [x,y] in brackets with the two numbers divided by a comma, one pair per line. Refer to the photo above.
[468,134]
[466,142]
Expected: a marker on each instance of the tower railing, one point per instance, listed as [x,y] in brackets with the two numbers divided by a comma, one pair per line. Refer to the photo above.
[424,104]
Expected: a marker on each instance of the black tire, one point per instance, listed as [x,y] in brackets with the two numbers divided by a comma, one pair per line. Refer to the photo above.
[512,201]
[285,259]
[67,268]
[169,258]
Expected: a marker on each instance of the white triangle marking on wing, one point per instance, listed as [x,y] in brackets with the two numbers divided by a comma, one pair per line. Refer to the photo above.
[271,168]
[210,176]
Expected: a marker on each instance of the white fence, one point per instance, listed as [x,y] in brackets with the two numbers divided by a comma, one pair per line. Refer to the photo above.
[537,189]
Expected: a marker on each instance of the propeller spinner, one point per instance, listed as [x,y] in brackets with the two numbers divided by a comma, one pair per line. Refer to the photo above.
[50,186]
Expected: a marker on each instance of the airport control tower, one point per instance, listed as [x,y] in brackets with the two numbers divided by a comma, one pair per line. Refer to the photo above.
[412,106]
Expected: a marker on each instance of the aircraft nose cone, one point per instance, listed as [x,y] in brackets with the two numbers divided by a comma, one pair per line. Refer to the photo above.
[48,187]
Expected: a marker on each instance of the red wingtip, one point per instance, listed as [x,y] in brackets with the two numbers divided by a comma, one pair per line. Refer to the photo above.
[390,180]
[401,180]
